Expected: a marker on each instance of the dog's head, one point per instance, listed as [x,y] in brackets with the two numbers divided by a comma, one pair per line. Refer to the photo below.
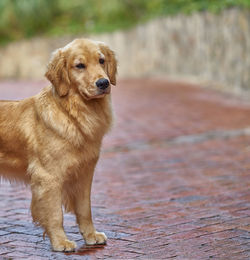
[86,66]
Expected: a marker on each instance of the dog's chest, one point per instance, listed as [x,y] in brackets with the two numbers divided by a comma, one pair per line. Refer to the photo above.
[95,122]
[83,126]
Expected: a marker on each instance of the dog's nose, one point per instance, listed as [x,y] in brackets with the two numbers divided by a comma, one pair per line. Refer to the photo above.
[102,83]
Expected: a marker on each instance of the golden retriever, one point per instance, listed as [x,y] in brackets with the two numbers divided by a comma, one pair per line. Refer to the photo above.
[52,140]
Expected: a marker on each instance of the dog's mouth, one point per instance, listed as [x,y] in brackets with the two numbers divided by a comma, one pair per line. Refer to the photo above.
[101,94]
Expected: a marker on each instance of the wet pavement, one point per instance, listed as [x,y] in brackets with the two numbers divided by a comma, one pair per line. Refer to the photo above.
[173,180]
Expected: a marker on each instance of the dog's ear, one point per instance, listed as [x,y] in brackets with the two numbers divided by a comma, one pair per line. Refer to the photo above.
[110,62]
[57,73]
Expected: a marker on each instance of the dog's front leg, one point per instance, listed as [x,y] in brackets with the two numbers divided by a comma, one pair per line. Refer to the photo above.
[46,208]
[83,209]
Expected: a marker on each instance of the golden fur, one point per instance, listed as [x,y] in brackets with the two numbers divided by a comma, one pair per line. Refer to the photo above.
[52,140]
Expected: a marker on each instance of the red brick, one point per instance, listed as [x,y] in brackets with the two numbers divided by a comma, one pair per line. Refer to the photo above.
[165,187]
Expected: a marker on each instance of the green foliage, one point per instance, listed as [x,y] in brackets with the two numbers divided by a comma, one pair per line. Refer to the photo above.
[26,18]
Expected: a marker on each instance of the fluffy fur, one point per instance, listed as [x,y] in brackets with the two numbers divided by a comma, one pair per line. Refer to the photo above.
[52,140]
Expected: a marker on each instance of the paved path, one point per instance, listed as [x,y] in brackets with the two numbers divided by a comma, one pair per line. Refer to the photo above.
[173,180]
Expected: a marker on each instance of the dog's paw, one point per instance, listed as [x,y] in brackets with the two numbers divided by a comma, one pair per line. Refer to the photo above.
[64,246]
[96,238]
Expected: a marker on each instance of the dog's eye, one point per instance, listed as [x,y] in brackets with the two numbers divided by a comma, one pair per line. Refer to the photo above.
[80,66]
[101,61]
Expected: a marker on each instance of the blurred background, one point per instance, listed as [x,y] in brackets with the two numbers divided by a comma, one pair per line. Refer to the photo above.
[196,40]
[173,177]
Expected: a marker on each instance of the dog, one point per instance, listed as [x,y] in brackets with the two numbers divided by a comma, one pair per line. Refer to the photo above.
[52,140]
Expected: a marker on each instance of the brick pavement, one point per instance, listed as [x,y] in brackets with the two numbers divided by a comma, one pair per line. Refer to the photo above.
[172,182]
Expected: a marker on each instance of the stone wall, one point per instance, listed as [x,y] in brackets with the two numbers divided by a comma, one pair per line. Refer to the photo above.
[203,46]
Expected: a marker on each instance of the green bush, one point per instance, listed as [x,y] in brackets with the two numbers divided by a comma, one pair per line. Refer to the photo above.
[26,18]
